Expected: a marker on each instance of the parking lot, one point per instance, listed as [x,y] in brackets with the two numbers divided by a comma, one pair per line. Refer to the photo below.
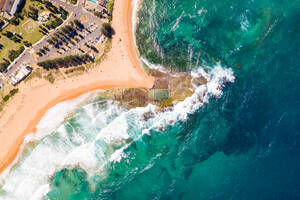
[90,35]
[76,12]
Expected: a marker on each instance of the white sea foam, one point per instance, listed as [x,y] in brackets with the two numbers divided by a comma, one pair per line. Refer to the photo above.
[244,22]
[135,4]
[102,137]
[100,134]
[154,66]
[176,24]
[217,78]
[50,121]
[27,176]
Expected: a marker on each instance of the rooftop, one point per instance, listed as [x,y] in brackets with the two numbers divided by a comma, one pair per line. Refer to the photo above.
[9,6]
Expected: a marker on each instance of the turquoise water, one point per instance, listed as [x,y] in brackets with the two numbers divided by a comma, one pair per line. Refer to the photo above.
[243,145]
[94,1]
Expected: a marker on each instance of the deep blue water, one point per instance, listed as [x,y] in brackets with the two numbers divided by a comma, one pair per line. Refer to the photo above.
[242,146]
[245,145]
[259,113]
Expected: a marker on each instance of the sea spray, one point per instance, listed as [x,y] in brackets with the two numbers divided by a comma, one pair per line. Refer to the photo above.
[47,126]
[154,66]
[134,19]
[98,134]
[183,161]
[95,135]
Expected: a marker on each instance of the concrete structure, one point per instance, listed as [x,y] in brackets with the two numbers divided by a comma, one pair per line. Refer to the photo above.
[91,6]
[159,94]
[20,75]
[102,2]
[44,17]
[95,5]
[10,6]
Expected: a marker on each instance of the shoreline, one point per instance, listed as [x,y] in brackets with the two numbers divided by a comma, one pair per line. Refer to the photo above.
[121,69]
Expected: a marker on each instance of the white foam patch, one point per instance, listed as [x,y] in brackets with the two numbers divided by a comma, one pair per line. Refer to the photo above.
[116,131]
[28,176]
[176,24]
[135,5]
[117,155]
[244,22]
[154,66]
[103,133]
[217,78]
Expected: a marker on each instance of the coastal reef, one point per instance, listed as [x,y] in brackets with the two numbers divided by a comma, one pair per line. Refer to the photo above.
[168,89]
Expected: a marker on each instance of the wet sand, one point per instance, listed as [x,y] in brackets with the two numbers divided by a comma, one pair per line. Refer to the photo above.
[121,69]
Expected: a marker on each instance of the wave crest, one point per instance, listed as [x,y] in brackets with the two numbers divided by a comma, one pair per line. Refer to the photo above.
[95,135]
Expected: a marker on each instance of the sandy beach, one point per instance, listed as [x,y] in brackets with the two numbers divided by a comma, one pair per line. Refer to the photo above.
[121,69]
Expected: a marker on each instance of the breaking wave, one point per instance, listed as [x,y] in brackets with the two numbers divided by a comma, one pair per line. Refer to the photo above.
[91,132]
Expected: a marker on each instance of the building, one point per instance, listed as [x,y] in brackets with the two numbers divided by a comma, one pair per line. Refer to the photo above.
[102,2]
[95,5]
[20,75]
[10,7]
[44,17]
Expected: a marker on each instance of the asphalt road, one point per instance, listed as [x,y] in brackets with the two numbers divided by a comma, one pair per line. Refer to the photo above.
[75,12]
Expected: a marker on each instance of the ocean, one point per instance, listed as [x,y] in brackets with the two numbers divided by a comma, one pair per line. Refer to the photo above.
[241,142]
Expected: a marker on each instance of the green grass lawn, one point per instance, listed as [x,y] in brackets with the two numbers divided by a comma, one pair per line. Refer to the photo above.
[28,27]
[74,2]
[110,5]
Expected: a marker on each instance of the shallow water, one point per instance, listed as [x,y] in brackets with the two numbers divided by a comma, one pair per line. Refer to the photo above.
[242,145]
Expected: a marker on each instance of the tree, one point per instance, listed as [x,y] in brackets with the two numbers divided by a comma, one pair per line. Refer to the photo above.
[65,30]
[43,51]
[78,24]
[13,54]
[33,13]
[1,23]
[64,13]
[98,14]
[94,49]
[43,32]
[55,23]
[14,37]
[73,60]
[46,48]
[8,34]
[51,7]
[4,65]
[107,30]
[39,53]
[51,41]
[15,21]
[44,29]
[27,44]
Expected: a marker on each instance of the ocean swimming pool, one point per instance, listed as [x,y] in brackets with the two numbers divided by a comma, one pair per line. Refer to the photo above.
[243,145]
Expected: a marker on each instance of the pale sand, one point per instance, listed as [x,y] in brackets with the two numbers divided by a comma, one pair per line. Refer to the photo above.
[121,69]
